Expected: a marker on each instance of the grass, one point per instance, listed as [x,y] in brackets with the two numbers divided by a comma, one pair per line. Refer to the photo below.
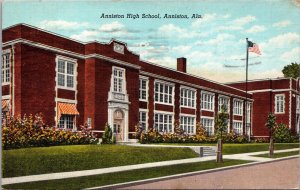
[244,148]
[120,177]
[280,155]
[30,161]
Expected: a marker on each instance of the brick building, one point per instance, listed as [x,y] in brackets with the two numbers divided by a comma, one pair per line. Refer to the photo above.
[73,83]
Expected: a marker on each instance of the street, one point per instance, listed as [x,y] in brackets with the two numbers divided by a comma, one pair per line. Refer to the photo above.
[283,174]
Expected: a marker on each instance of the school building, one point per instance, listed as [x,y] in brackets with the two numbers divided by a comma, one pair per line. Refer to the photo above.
[73,83]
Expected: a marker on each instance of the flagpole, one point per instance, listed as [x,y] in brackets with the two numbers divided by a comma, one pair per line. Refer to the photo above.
[247,55]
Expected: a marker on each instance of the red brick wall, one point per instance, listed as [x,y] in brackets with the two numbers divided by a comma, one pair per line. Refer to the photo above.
[132,81]
[5,90]
[66,94]
[151,102]
[38,82]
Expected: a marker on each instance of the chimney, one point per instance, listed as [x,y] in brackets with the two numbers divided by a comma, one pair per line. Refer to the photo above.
[181,64]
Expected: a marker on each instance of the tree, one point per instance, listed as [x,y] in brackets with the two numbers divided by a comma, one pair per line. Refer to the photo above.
[107,137]
[221,126]
[271,124]
[291,70]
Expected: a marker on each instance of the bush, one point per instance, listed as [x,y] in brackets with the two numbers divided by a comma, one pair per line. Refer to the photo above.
[107,137]
[261,140]
[153,136]
[31,131]
[282,134]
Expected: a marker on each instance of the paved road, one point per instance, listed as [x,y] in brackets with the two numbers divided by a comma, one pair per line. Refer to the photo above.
[284,174]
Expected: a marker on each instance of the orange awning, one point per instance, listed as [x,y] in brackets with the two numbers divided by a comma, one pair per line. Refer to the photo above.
[5,104]
[67,108]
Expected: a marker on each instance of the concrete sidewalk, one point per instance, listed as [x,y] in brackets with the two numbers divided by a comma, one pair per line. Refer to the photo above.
[64,175]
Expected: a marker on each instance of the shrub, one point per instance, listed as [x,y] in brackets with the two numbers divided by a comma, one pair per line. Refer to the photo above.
[107,137]
[31,131]
[282,134]
[153,136]
[261,140]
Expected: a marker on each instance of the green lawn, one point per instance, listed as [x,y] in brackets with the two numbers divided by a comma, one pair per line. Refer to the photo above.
[280,155]
[30,161]
[113,178]
[243,148]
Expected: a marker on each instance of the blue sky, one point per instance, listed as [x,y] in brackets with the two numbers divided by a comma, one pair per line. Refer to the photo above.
[210,44]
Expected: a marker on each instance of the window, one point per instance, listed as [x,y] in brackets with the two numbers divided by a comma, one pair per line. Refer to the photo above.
[66,122]
[223,101]
[238,127]
[143,120]
[66,73]
[187,124]
[248,113]
[187,97]
[207,101]
[6,68]
[208,124]
[143,89]
[163,93]
[237,107]
[163,122]
[119,76]
[279,103]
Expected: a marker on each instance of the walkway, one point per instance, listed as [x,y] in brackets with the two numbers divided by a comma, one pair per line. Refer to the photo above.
[63,175]
[282,174]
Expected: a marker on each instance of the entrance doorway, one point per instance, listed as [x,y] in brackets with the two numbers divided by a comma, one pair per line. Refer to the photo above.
[118,127]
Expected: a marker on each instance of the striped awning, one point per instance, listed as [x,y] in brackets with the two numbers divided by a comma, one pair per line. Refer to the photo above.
[5,104]
[67,109]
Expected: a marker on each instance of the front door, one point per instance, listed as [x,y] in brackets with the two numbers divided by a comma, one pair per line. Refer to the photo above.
[118,125]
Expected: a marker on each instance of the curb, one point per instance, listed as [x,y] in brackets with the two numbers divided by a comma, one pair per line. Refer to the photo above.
[138,182]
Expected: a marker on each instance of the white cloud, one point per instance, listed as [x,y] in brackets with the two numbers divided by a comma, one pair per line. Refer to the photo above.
[282,24]
[170,30]
[217,40]
[230,27]
[62,25]
[181,48]
[205,19]
[112,27]
[291,56]
[280,41]
[256,29]
[199,56]
[243,20]
[86,35]
[164,61]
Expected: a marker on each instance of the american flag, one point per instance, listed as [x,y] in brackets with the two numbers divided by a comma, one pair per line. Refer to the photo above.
[253,47]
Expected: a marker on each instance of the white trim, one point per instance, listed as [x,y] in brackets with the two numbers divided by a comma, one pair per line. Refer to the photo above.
[275,104]
[69,53]
[223,96]
[116,61]
[193,85]
[172,95]
[242,127]
[194,124]
[5,51]
[213,123]
[195,97]
[67,59]
[272,90]
[147,117]
[65,100]
[164,113]
[147,88]
[6,97]
[238,100]
[213,103]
